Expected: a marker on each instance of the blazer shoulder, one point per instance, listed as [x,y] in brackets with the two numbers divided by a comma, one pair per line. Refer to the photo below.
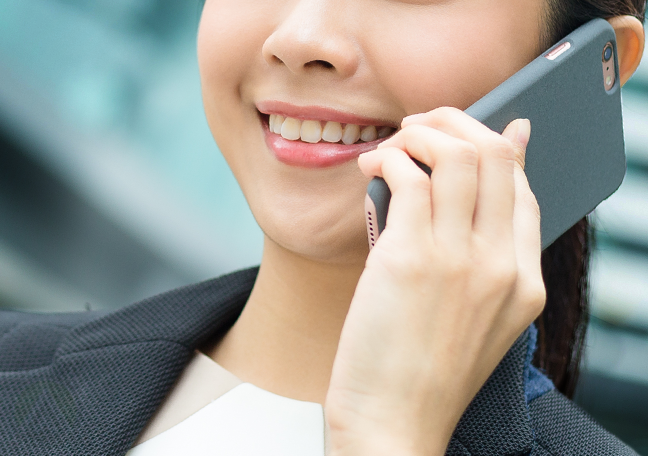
[29,340]
[561,427]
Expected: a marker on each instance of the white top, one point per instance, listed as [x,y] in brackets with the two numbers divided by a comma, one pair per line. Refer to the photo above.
[211,412]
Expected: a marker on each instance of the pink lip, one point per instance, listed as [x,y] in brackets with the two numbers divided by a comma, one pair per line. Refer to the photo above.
[318,113]
[321,154]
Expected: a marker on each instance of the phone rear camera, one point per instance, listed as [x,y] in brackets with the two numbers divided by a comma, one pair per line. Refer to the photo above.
[607,52]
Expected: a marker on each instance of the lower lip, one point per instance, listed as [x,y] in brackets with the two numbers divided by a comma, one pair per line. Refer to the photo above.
[318,155]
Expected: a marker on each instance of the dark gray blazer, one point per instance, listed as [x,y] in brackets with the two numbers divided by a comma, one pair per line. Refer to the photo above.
[87,383]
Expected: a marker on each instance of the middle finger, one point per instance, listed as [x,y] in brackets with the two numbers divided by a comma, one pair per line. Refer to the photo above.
[496,187]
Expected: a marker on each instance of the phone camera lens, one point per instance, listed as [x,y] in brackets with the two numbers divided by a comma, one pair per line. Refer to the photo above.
[607,52]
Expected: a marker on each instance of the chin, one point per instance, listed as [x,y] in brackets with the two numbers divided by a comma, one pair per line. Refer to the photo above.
[331,233]
[315,212]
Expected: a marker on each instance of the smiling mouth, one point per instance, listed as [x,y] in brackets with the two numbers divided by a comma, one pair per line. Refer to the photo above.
[316,131]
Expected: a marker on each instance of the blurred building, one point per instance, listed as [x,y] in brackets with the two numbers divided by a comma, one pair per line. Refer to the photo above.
[112,189]
[111,186]
[614,386]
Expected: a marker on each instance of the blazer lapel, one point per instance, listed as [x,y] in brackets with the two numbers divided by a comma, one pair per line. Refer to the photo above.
[497,420]
[108,376]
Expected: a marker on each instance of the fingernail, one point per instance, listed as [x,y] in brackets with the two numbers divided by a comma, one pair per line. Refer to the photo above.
[523,133]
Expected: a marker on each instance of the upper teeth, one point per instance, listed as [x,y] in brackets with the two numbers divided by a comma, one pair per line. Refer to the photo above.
[312,131]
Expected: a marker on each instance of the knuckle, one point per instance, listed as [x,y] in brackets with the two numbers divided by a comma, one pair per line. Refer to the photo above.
[408,129]
[531,203]
[503,149]
[504,274]
[520,157]
[535,297]
[444,111]
[467,153]
[415,134]
[420,181]
[419,269]
[391,160]
[413,130]
[440,116]
[412,266]
[456,267]
[408,132]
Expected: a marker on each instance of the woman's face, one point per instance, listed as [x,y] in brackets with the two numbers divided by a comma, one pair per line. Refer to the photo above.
[360,62]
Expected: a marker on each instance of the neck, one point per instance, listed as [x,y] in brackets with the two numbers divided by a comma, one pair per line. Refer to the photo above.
[286,338]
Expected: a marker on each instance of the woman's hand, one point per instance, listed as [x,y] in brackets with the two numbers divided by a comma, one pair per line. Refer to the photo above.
[451,283]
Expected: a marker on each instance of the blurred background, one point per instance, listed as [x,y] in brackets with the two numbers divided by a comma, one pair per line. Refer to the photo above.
[112,189]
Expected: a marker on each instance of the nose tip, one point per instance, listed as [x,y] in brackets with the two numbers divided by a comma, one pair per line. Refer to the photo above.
[307,46]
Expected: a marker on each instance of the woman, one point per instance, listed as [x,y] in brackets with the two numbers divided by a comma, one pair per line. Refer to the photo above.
[420,347]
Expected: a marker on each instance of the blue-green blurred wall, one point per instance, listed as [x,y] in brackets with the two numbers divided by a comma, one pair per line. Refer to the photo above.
[105,97]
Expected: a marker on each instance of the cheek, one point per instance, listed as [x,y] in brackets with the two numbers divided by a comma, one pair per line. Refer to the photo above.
[454,56]
[216,49]
[230,37]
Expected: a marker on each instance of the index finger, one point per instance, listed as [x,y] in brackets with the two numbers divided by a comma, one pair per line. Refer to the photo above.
[496,193]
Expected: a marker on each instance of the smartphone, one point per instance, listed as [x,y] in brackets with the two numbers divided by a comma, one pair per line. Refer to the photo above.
[576,155]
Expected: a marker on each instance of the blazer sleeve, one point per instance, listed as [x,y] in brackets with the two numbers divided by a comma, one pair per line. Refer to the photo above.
[29,340]
[561,428]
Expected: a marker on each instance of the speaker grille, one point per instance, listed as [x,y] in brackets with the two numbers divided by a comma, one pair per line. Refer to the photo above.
[370,219]
[370,228]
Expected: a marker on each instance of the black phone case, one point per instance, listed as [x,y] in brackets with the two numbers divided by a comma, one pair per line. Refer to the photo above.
[575,158]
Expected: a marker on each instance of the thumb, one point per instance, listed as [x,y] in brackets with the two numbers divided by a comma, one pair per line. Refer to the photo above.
[526,214]
[519,132]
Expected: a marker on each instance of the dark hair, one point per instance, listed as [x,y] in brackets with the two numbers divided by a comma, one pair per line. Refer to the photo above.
[563,323]
[563,16]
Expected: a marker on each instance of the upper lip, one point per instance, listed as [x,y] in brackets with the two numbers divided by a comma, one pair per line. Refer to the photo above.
[321,113]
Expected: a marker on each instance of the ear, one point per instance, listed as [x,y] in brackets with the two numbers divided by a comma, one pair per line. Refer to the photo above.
[630,44]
